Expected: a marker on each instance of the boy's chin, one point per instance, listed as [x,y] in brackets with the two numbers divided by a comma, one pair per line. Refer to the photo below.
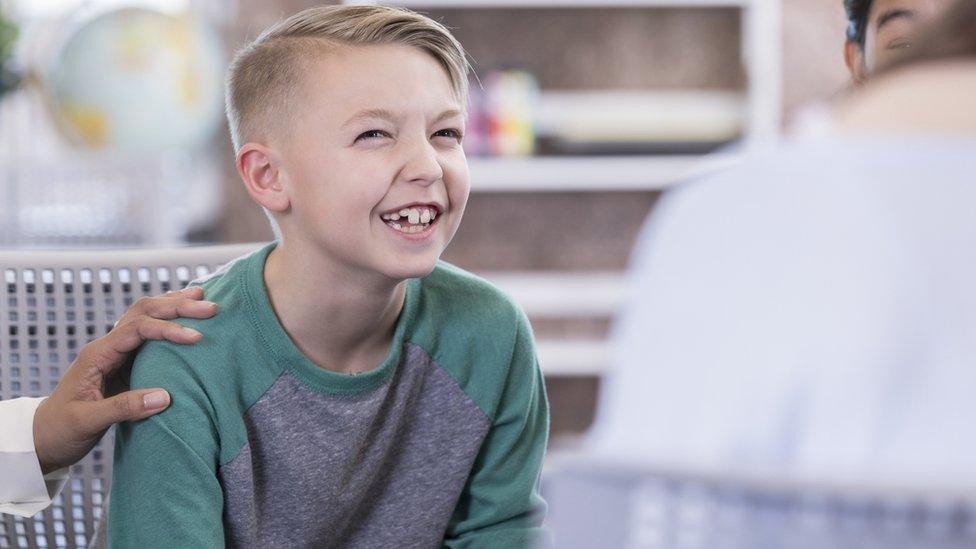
[417,268]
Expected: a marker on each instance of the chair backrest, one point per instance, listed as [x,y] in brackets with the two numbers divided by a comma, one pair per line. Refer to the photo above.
[594,502]
[53,303]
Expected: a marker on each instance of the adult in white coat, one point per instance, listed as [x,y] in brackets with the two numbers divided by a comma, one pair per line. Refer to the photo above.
[812,313]
[41,437]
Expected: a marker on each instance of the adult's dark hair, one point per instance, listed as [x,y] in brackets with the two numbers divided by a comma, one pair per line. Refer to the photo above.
[857,19]
[951,36]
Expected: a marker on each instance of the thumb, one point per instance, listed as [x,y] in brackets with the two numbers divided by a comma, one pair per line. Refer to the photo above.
[129,406]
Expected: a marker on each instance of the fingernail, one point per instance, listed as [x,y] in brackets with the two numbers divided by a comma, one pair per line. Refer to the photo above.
[210,304]
[191,332]
[155,399]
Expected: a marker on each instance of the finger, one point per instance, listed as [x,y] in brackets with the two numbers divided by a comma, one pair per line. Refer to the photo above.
[181,307]
[128,406]
[191,308]
[152,328]
[111,351]
[126,337]
[170,307]
[193,292]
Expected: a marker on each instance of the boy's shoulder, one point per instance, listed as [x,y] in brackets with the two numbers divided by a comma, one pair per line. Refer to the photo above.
[227,288]
[475,332]
[459,311]
[221,375]
[461,294]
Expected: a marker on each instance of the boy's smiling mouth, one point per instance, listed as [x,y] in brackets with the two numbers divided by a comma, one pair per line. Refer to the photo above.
[412,219]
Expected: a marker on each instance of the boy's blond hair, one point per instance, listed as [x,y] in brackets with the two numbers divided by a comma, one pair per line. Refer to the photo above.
[262,78]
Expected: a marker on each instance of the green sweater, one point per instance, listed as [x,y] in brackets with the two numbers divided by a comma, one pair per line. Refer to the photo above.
[442,444]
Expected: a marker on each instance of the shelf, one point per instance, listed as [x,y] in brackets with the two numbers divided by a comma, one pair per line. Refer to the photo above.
[509,4]
[640,116]
[544,294]
[591,173]
[573,358]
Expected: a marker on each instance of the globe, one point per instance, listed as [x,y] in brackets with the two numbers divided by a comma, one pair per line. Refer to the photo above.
[137,80]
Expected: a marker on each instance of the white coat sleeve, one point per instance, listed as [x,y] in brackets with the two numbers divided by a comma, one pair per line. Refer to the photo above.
[24,490]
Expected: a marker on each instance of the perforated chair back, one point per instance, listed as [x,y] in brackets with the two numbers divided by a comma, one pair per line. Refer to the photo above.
[53,303]
[597,503]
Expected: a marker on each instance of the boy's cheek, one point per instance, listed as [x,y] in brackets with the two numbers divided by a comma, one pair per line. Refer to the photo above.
[459,201]
[458,178]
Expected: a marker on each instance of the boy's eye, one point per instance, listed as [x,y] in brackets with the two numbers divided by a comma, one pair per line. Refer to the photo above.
[372,134]
[451,133]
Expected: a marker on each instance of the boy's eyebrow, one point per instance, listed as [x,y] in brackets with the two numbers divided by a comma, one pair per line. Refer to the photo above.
[369,113]
[384,114]
[891,15]
[449,113]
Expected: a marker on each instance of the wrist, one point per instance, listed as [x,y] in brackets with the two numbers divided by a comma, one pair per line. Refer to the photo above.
[41,446]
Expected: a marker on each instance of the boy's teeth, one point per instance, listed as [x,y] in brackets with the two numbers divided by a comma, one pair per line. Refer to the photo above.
[414,216]
[409,228]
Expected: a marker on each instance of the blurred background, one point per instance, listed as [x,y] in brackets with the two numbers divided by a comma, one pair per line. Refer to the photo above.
[112,132]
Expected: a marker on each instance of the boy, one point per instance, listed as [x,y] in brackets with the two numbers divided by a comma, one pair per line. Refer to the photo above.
[376,397]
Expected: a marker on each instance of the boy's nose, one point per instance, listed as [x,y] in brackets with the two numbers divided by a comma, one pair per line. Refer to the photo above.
[422,165]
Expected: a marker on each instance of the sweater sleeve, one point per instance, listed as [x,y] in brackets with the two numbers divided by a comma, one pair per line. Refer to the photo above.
[165,491]
[501,505]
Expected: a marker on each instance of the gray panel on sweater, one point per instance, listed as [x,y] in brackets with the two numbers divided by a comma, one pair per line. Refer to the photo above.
[382,468]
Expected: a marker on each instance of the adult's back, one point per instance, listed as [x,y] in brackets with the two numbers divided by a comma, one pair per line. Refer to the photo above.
[811,312]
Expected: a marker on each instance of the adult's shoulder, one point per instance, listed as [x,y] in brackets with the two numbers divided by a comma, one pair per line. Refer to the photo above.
[777,199]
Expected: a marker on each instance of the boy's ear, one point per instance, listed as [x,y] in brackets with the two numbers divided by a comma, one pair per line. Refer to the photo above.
[854,58]
[260,168]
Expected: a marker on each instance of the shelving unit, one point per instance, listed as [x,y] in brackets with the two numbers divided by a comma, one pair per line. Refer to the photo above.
[761,31]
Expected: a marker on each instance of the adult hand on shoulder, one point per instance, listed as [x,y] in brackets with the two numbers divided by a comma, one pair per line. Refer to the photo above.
[87,400]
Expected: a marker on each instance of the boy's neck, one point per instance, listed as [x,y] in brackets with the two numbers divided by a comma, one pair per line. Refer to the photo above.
[340,320]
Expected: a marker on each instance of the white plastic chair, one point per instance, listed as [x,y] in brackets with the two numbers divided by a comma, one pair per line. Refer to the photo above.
[51,304]
[596,502]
